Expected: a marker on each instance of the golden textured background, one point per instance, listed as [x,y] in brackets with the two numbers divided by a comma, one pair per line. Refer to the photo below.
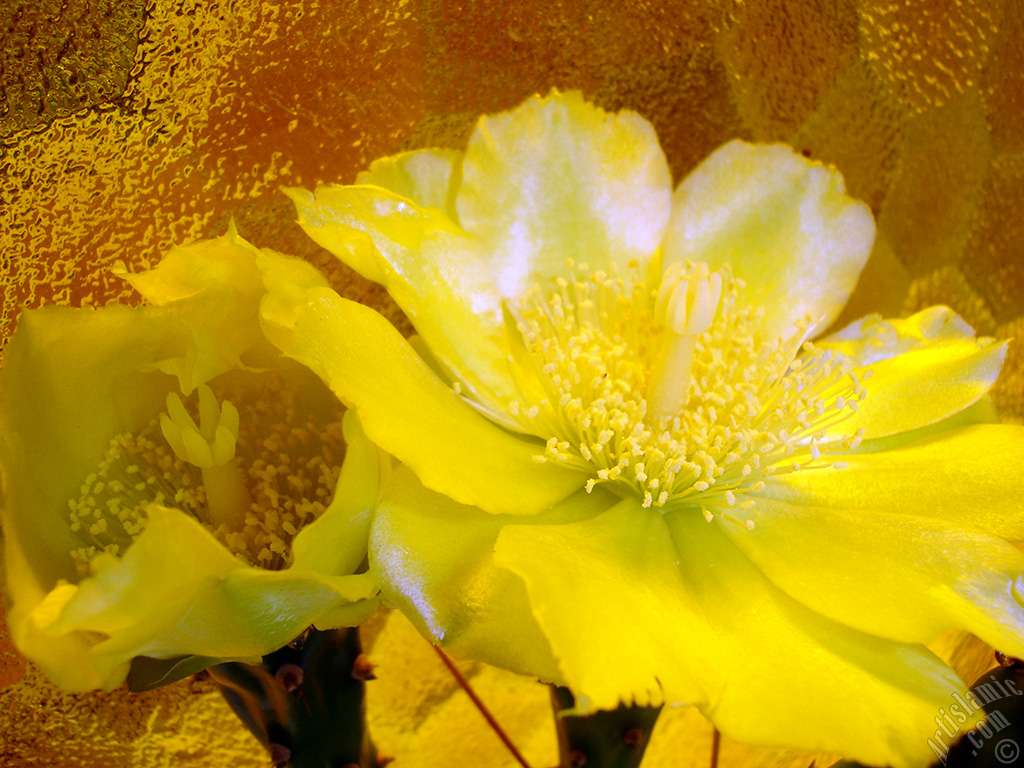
[130,125]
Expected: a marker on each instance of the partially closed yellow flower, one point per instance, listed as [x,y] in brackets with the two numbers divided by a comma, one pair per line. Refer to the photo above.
[628,469]
[174,489]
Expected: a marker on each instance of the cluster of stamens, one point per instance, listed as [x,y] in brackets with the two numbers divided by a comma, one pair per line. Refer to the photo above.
[254,481]
[669,390]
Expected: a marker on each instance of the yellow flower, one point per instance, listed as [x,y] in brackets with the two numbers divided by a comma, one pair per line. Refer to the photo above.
[168,481]
[626,468]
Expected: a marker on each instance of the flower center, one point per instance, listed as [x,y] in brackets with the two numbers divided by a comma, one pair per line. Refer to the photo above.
[253,482]
[668,389]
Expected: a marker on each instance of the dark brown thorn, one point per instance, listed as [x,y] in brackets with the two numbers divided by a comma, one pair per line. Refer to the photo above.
[362,668]
[290,676]
[577,758]
[280,754]
[634,738]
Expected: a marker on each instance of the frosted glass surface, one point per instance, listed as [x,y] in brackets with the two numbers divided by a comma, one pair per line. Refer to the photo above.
[126,126]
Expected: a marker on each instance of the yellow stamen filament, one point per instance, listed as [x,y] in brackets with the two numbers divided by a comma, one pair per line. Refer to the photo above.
[670,391]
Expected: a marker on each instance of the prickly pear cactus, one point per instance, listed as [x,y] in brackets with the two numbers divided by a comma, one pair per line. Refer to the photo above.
[613,739]
[305,702]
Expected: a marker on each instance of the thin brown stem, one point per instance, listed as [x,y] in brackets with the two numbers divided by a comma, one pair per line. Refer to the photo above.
[464,683]
[716,746]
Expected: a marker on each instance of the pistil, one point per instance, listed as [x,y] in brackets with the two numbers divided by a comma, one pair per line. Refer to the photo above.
[210,446]
[685,306]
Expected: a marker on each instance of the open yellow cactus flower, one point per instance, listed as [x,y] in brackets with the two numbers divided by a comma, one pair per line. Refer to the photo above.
[633,465]
[174,488]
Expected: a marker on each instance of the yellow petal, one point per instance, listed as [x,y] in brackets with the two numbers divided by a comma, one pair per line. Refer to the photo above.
[440,277]
[424,176]
[633,602]
[217,287]
[923,369]
[177,592]
[981,412]
[894,575]
[395,224]
[408,411]
[553,180]
[434,559]
[65,659]
[960,477]
[335,543]
[187,270]
[925,386]
[558,178]
[620,622]
[784,224]
[873,339]
[71,380]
